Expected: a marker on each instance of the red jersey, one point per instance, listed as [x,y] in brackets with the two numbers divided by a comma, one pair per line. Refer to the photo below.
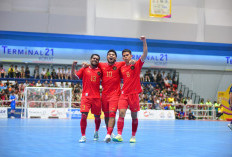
[91,81]
[131,78]
[111,78]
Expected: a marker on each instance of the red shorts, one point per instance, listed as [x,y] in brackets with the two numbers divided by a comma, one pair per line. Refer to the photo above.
[91,103]
[130,100]
[110,103]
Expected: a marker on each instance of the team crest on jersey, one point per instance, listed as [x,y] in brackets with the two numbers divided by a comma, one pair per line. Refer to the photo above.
[114,68]
[99,73]
[132,67]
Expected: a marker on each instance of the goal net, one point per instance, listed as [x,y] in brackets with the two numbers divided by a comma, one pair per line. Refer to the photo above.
[47,102]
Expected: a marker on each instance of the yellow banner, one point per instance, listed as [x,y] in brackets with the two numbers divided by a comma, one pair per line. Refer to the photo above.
[224,98]
[160,8]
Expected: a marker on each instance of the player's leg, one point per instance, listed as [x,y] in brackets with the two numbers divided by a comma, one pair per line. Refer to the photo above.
[85,107]
[83,124]
[134,107]
[134,126]
[120,125]
[105,109]
[96,110]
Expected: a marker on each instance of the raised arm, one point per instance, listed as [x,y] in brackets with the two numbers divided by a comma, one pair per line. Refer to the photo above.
[144,55]
[73,72]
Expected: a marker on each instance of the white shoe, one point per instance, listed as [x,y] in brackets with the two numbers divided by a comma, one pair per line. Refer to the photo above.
[230,126]
[96,137]
[107,138]
[83,139]
[133,139]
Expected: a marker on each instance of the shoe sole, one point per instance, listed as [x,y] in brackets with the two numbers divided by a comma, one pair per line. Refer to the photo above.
[82,141]
[116,140]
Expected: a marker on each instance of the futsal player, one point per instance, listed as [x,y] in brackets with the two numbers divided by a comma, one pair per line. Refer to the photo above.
[12,104]
[230,102]
[130,91]
[90,95]
[111,90]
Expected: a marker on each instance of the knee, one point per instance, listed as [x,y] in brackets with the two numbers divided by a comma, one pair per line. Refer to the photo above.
[112,114]
[121,114]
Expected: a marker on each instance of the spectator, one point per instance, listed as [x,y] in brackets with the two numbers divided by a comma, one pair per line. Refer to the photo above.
[68,74]
[63,73]
[17,72]
[43,73]
[11,72]
[174,83]
[53,74]
[47,74]
[22,71]
[38,84]
[166,82]
[189,101]
[154,76]
[36,72]
[51,84]
[216,105]
[191,115]
[163,75]
[181,115]
[2,72]
[59,73]
[27,72]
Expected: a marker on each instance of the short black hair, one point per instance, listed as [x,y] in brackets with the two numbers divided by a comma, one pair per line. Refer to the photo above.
[95,55]
[112,50]
[126,50]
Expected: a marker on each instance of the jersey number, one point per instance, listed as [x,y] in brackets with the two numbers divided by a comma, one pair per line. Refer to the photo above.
[128,74]
[93,78]
[109,73]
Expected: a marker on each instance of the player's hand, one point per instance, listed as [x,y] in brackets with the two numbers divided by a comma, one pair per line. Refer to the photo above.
[142,38]
[85,64]
[74,62]
[132,62]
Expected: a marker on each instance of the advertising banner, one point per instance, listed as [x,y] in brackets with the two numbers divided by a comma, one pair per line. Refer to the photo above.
[48,112]
[3,112]
[17,113]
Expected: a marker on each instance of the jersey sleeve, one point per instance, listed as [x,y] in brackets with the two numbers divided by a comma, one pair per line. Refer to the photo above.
[139,63]
[121,63]
[79,73]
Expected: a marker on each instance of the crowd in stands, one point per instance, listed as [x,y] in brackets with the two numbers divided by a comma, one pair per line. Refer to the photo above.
[159,88]
[15,72]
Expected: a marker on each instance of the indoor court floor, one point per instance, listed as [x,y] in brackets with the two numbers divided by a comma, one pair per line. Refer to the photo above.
[59,138]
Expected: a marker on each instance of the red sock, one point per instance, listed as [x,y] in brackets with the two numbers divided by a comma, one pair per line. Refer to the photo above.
[97,123]
[120,125]
[134,126]
[110,130]
[83,124]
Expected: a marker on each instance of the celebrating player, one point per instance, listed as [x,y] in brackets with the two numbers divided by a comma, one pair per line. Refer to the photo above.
[111,90]
[130,91]
[90,95]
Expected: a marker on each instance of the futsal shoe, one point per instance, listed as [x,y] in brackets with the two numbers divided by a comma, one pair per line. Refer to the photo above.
[132,140]
[118,138]
[107,138]
[230,126]
[83,139]
[96,137]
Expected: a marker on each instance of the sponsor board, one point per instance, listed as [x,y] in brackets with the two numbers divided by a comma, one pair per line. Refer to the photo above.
[48,112]
[3,112]
[17,113]
[74,113]
[152,114]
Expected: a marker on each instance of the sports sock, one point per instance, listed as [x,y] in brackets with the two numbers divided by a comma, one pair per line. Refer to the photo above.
[134,126]
[110,130]
[120,125]
[97,123]
[83,124]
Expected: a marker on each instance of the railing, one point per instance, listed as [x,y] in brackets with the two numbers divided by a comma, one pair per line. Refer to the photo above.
[201,111]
